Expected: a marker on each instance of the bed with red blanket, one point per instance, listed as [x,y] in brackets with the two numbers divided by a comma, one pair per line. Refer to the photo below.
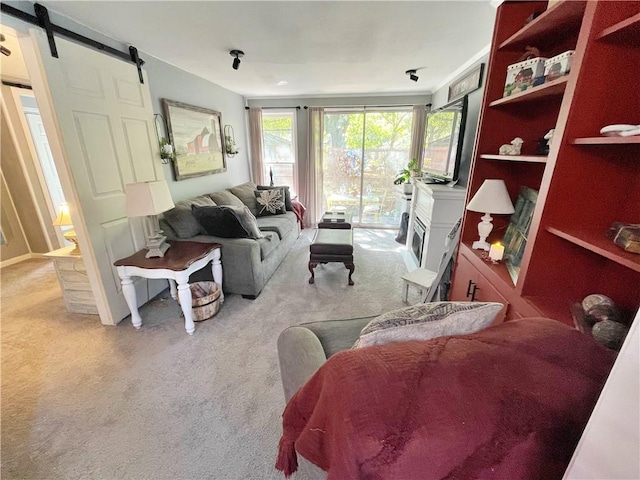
[508,402]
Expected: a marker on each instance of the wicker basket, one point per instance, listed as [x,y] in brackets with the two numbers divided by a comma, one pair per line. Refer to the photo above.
[205,300]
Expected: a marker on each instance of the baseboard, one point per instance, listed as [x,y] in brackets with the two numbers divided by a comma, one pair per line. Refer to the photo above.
[20,258]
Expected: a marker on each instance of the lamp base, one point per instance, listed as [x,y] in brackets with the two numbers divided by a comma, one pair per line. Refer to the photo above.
[156,246]
[70,236]
[479,245]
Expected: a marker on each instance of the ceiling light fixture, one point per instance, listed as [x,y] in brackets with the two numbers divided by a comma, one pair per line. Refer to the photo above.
[237,54]
[412,75]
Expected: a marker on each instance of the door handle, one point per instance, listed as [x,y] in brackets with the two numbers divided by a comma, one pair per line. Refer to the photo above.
[473,293]
[469,288]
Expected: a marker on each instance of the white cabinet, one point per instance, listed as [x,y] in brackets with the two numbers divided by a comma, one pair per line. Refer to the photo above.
[434,211]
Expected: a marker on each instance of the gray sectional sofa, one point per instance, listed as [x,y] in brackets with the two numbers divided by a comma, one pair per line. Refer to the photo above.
[247,263]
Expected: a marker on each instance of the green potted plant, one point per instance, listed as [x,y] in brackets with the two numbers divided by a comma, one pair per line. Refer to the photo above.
[404,176]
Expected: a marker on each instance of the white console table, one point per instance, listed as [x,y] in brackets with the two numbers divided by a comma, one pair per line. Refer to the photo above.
[438,207]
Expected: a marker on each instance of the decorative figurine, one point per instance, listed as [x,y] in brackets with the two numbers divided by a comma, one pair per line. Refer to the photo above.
[513,148]
[544,143]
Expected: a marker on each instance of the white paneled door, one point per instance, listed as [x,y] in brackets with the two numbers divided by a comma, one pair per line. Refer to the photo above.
[99,121]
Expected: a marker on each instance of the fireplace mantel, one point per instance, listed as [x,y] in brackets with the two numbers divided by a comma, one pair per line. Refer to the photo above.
[438,208]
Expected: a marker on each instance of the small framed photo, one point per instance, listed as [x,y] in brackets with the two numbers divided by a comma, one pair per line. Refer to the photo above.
[470,82]
[196,136]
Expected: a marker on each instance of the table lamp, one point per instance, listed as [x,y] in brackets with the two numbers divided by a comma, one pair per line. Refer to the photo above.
[491,197]
[148,199]
[64,220]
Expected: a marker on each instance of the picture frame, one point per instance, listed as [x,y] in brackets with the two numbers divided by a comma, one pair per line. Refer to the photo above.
[196,136]
[470,82]
[515,238]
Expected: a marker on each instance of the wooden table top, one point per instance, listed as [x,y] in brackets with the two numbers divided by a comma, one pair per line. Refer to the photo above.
[179,256]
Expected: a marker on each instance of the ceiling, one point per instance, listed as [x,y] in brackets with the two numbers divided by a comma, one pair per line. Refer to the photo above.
[317,48]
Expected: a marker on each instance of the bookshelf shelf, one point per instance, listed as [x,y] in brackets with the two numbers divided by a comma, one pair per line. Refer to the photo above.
[517,158]
[553,88]
[554,20]
[607,140]
[625,32]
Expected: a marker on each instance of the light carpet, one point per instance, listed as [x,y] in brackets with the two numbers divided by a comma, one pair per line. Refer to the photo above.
[85,401]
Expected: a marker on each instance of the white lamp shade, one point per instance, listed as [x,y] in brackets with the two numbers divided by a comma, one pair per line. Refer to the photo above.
[148,198]
[64,218]
[491,197]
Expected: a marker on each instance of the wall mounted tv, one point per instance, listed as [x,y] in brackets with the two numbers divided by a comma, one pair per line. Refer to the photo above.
[444,134]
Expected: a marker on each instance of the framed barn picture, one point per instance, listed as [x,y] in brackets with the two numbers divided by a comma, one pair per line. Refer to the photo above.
[196,136]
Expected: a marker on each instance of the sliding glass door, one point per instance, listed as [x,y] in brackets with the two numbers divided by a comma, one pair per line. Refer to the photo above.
[363,149]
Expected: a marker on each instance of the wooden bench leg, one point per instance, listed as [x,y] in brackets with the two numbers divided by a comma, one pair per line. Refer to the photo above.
[312,265]
[351,268]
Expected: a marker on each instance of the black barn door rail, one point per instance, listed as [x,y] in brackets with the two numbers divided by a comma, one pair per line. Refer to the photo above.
[41,18]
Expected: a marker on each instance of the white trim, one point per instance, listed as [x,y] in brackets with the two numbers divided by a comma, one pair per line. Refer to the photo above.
[20,258]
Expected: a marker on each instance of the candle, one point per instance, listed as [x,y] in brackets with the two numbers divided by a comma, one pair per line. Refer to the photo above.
[496,252]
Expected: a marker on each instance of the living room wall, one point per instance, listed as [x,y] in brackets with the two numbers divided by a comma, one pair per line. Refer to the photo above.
[168,81]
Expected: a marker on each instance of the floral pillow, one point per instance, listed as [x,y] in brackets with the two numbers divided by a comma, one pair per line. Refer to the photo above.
[270,202]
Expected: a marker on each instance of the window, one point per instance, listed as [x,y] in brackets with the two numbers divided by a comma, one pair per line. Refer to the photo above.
[279,147]
[363,149]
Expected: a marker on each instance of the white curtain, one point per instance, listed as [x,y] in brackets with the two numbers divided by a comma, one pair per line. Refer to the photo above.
[255,134]
[417,133]
[311,175]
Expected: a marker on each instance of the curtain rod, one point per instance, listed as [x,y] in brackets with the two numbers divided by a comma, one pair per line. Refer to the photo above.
[17,85]
[297,107]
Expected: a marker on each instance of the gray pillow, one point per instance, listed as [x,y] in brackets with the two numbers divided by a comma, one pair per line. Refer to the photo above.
[247,220]
[181,219]
[428,320]
[226,198]
[245,193]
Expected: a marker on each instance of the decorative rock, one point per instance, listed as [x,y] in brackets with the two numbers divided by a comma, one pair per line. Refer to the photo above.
[601,312]
[610,334]
[596,299]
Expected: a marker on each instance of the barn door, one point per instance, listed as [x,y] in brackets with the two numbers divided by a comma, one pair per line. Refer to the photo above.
[99,120]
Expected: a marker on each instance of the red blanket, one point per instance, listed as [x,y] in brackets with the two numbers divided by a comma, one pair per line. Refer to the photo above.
[508,402]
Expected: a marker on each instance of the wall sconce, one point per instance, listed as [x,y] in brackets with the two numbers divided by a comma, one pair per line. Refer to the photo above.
[491,197]
[64,220]
[148,199]
[167,152]
[237,54]
[230,146]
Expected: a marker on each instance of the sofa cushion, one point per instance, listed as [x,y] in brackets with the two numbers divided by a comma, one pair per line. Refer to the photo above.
[181,219]
[428,320]
[245,193]
[268,244]
[280,224]
[247,220]
[225,197]
[270,202]
[287,195]
[219,222]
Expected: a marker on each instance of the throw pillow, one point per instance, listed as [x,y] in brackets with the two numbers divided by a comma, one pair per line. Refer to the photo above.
[245,193]
[219,222]
[247,220]
[225,197]
[428,320]
[181,219]
[270,202]
[287,195]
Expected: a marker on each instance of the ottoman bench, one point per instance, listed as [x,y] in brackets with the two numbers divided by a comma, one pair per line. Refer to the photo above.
[335,220]
[332,245]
